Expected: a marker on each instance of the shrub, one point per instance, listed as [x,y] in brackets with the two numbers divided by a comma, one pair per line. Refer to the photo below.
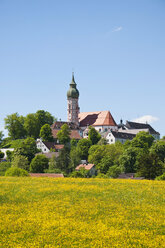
[3,167]
[21,162]
[2,154]
[114,171]
[39,164]
[82,173]
[101,175]
[16,172]
[162,177]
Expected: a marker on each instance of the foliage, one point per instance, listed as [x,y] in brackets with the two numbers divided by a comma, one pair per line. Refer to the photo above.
[64,134]
[142,140]
[101,175]
[15,126]
[128,159]
[27,148]
[158,148]
[105,156]
[1,154]
[148,165]
[20,161]
[114,171]
[83,148]
[74,158]
[93,135]
[39,163]
[9,155]
[1,136]
[46,133]
[102,141]
[3,167]
[162,177]
[53,165]
[73,143]
[8,143]
[31,126]
[82,173]
[63,160]
[16,172]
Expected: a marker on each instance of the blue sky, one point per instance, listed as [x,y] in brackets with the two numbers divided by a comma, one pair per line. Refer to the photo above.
[115,47]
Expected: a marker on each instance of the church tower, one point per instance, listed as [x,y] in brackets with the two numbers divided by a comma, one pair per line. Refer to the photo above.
[72,98]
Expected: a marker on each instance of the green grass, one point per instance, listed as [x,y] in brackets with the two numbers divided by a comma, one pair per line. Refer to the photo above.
[67,212]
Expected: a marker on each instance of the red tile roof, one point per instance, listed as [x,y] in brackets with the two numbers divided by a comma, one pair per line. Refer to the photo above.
[87,167]
[99,118]
[46,175]
[74,134]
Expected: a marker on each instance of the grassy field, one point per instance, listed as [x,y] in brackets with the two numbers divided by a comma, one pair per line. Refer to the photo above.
[48,212]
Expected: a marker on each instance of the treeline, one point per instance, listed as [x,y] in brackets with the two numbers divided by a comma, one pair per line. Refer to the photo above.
[144,156]
[20,127]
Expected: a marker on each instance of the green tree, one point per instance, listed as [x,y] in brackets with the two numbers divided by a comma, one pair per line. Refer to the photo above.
[20,162]
[15,126]
[64,134]
[93,135]
[3,167]
[31,126]
[102,141]
[53,168]
[1,155]
[114,171]
[148,165]
[74,158]
[46,133]
[39,163]
[63,160]
[128,159]
[9,155]
[1,136]
[83,148]
[43,117]
[16,172]
[142,140]
[27,148]
[158,148]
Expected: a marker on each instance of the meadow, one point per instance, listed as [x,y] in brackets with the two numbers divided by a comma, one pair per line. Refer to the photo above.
[66,212]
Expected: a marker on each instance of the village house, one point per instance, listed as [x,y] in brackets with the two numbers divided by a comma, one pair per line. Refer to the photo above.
[90,167]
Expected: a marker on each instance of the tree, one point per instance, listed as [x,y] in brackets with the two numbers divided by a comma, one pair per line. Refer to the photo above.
[39,164]
[158,148]
[102,141]
[64,134]
[93,135]
[83,148]
[9,155]
[16,172]
[1,155]
[114,171]
[63,160]
[46,133]
[20,161]
[74,158]
[27,148]
[53,165]
[148,165]
[42,118]
[3,167]
[15,126]
[142,140]
[128,159]
[31,126]
[1,136]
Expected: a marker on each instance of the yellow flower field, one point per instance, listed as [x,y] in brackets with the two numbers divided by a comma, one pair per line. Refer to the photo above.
[65,212]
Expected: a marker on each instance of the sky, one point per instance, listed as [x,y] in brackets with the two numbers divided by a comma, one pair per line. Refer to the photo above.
[116,49]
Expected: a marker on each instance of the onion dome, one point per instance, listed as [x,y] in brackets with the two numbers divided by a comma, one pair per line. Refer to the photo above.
[73,91]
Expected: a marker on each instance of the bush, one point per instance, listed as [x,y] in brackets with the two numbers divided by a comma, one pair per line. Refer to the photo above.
[16,172]
[101,175]
[82,173]
[114,171]
[162,177]
[3,167]
[21,162]
[39,164]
